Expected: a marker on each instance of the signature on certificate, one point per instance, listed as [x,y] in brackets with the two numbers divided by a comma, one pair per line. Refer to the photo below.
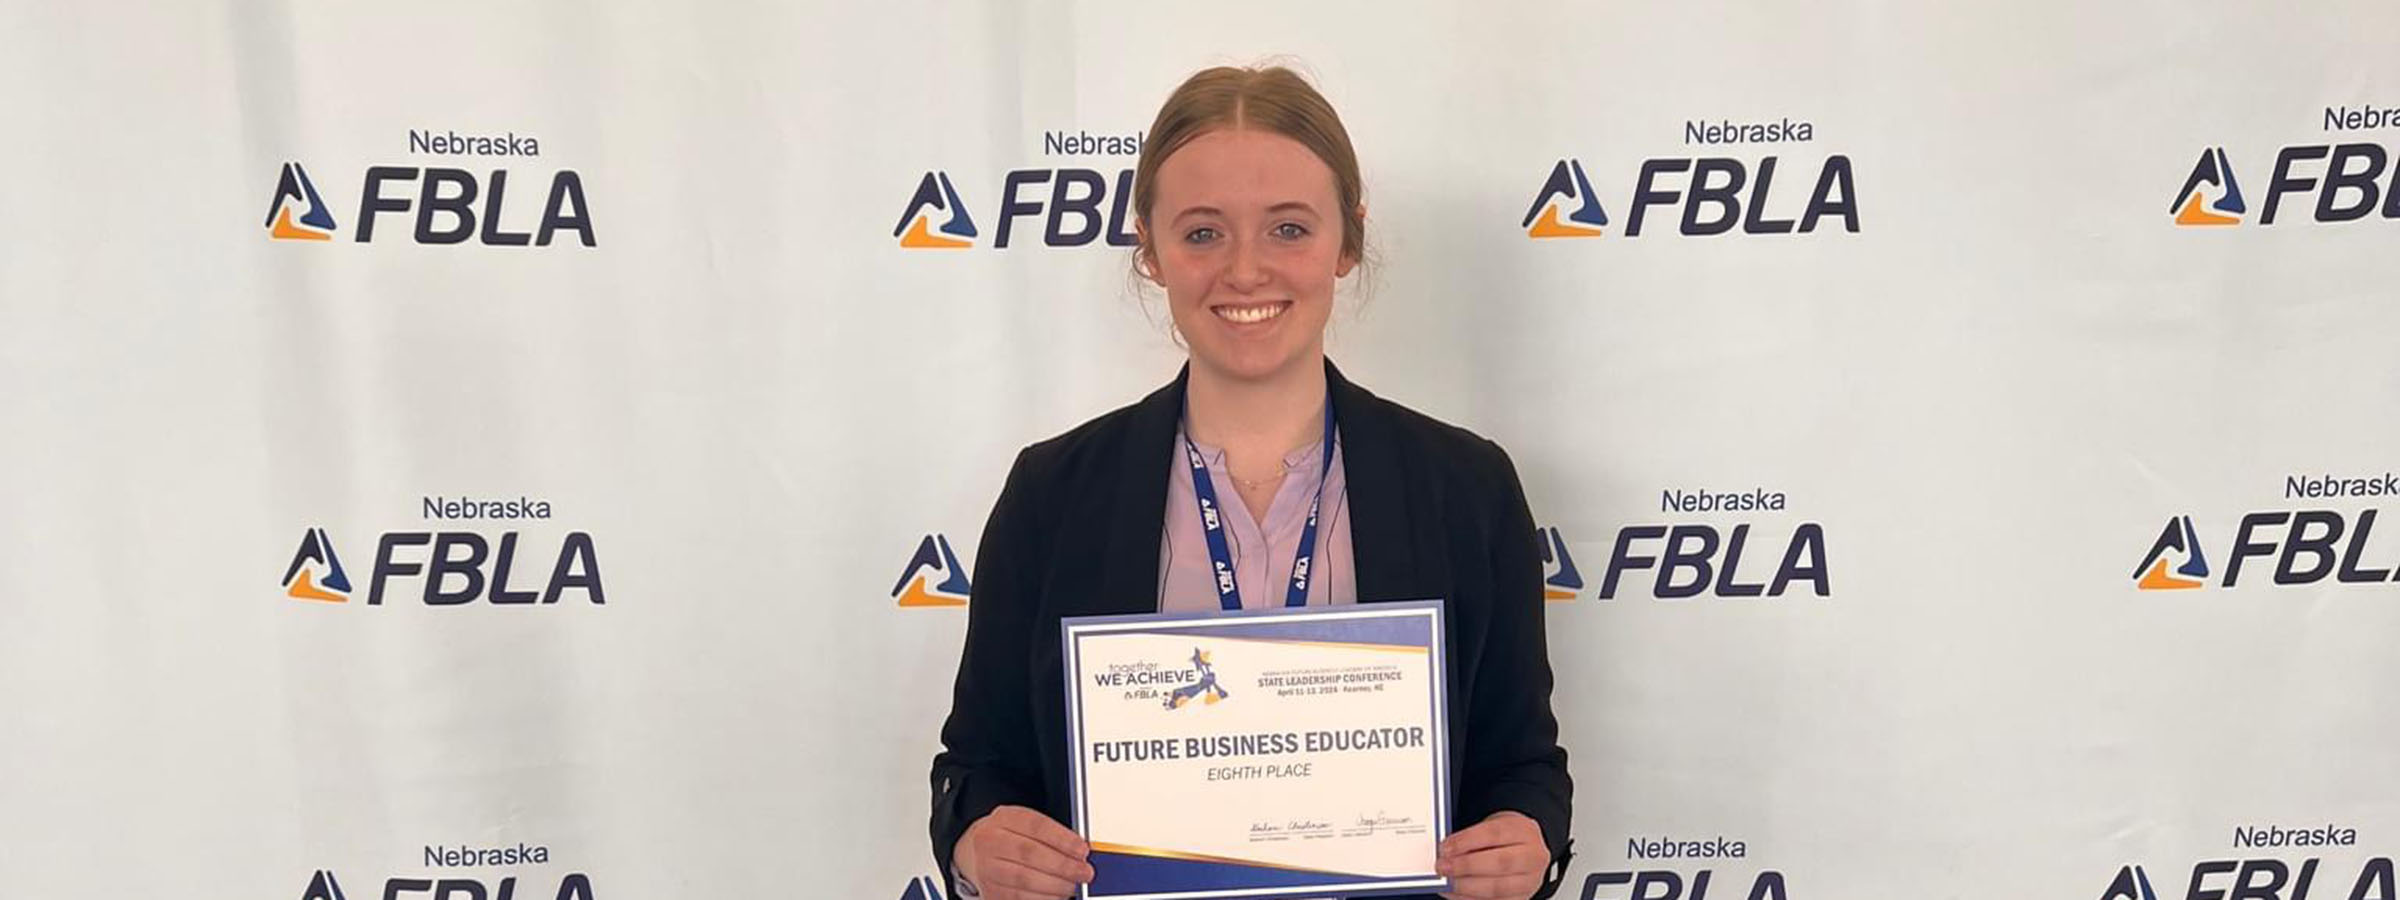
[1289,826]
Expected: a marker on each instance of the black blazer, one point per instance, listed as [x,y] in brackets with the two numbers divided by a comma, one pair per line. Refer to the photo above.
[1435,512]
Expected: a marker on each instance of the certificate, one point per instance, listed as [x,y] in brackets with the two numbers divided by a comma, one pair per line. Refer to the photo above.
[1277,753]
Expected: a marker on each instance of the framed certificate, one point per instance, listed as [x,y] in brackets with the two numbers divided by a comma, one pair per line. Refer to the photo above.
[1276,753]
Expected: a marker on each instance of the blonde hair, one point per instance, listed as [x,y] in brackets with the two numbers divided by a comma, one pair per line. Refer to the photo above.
[1271,98]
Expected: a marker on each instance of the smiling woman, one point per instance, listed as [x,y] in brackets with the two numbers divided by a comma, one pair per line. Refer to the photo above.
[1250,209]
[1249,213]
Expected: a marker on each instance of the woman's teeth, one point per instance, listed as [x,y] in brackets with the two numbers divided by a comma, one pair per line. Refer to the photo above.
[1250,315]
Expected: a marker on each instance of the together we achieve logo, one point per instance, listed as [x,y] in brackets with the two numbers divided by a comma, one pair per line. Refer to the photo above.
[1171,685]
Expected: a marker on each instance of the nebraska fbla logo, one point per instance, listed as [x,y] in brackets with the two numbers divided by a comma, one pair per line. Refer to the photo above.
[1076,206]
[2307,546]
[294,188]
[2212,176]
[458,567]
[934,559]
[2348,181]
[1715,194]
[2131,884]
[450,205]
[323,886]
[1566,184]
[316,573]
[922,887]
[1693,559]
[936,194]
[2179,545]
[573,886]
[1681,869]
[1560,580]
[2246,877]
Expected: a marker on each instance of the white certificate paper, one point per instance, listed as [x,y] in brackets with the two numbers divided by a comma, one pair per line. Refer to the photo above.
[1275,753]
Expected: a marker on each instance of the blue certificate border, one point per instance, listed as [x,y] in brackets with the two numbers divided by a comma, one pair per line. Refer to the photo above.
[1212,880]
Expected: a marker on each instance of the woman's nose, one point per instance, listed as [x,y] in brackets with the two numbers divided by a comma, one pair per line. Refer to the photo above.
[1244,272]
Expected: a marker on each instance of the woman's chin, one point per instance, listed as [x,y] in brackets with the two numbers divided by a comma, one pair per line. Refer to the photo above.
[1254,366]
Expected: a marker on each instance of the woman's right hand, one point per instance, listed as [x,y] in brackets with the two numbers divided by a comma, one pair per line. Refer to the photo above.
[1015,853]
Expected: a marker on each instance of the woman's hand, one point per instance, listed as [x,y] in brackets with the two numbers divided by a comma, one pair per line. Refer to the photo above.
[1499,858]
[1015,853]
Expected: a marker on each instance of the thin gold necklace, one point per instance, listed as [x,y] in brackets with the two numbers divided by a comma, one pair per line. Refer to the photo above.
[1259,483]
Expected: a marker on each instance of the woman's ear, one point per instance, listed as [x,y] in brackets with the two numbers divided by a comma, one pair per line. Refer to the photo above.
[1350,261]
[1145,255]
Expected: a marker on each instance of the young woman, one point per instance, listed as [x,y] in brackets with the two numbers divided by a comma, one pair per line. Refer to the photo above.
[1249,211]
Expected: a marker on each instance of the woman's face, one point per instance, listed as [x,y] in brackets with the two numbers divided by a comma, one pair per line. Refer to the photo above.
[1245,235]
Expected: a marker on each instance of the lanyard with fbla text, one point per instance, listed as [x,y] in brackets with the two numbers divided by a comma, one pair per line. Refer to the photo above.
[1212,523]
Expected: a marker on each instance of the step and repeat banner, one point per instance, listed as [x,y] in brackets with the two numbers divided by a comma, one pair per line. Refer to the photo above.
[538,450]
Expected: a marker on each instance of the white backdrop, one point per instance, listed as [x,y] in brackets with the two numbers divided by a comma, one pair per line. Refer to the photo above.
[757,405]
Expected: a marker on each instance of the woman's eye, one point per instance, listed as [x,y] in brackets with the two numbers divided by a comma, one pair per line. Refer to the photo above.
[1199,235]
[1291,231]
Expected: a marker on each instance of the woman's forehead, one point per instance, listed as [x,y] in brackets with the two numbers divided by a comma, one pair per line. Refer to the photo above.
[1234,169]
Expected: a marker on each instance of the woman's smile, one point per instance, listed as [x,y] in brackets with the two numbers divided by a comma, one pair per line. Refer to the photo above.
[1250,313]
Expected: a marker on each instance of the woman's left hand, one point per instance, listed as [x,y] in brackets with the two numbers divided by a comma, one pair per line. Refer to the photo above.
[1499,858]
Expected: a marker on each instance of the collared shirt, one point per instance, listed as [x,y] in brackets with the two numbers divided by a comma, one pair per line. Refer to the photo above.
[1262,551]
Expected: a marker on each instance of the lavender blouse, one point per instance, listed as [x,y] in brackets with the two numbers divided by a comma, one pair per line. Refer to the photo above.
[1262,551]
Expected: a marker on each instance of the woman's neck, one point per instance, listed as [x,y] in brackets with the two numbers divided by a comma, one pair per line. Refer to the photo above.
[1271,415]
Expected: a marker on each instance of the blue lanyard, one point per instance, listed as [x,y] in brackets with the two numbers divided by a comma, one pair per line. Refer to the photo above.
[1212,523]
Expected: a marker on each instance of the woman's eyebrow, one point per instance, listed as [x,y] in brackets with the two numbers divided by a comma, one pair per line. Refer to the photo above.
[1285,206]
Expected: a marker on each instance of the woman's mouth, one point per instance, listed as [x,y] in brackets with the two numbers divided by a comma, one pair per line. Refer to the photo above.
[1250,313]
